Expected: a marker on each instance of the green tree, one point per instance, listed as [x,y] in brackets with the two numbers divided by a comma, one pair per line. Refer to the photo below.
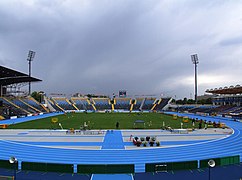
[190,101]
[38,96]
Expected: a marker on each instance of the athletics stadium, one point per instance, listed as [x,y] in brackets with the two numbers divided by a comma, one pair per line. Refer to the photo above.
[117,137]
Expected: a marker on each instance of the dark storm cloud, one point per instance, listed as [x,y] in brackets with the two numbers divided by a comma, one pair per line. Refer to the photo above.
[104,46]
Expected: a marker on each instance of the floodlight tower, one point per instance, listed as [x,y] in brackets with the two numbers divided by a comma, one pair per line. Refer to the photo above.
[195,62]
[30,58]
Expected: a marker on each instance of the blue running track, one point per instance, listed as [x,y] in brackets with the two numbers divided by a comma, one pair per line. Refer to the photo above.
[113,151]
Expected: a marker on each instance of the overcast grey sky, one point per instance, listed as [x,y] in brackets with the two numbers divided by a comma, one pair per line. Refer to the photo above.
[142,46]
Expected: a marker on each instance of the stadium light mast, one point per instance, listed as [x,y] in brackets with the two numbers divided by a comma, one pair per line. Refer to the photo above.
[30,58]
[195,62]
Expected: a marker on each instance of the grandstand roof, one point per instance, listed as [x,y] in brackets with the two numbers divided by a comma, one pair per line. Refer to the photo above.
[10,76]
[226,90]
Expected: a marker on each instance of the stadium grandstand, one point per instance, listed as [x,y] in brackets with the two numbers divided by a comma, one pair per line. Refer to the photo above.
[137,104]
[12,104]
[226,102]
[102,104]
[229,100]
[148,104]
[122,104]
[107,104]
[63,103]
[82,103]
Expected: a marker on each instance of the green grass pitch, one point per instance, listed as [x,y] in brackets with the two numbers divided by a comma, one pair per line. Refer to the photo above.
[105,121]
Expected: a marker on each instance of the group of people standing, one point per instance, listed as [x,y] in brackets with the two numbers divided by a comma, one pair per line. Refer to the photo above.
[206,123]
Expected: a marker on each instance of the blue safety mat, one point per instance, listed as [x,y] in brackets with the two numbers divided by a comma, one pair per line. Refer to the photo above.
[112,177]
[113,140]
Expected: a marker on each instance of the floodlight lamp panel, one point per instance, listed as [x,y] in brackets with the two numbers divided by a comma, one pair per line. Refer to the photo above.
[31,54]
[211,163]
[13,160]
[194,58]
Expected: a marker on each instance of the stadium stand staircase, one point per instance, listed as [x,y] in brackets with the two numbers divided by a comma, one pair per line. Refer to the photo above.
[142,103]
[157,102]
[94,107]
[137,104]
[132,102]
[50,107]
[75,107]
[112,102]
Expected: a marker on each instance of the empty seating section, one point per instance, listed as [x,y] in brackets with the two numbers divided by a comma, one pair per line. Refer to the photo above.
[210,109]
[138,103]
[206,108]
[90,105]
[23,105]
[148,104]
[63,103]
[185,107]
[102,103]
[196,109]
[81,103]
[122,103]
[223,109]
[32,102]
